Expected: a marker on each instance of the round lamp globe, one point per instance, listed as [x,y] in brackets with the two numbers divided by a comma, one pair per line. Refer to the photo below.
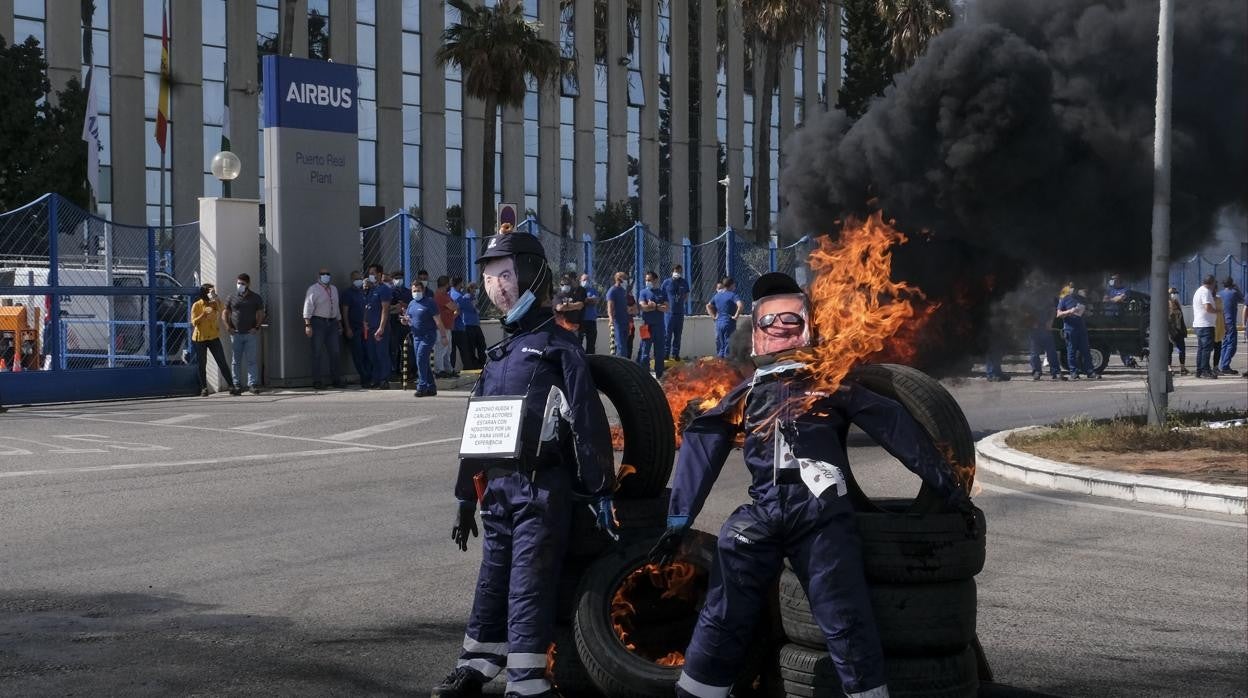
[226,166]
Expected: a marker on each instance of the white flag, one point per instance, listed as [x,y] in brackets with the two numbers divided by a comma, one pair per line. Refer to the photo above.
[91,134]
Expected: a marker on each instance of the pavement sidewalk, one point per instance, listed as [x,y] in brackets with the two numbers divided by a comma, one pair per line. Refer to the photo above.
[996,457]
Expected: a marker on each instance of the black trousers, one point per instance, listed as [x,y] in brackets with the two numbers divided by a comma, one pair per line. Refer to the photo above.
[589,335]
[460,349]
[476,345]
[218,355]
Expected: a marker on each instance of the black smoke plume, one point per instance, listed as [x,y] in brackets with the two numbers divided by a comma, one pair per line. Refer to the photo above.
[1022,140]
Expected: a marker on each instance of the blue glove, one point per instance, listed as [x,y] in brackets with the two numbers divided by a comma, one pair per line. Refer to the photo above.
[664,551]
[604,517]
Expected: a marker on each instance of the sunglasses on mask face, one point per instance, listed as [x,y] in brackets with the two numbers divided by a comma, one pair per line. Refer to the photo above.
[791,319]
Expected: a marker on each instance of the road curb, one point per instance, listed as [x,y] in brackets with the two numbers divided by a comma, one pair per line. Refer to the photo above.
[997,458]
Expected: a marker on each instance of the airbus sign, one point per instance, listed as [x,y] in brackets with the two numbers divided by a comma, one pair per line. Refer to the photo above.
[324,95]
[312,95]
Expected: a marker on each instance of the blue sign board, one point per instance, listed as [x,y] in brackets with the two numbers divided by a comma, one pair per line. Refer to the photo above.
[307,94]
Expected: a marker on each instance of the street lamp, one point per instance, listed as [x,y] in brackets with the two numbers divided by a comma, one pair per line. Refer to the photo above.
[226,167]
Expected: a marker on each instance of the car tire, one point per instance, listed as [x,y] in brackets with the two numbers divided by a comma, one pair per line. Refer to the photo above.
[809,673]
[646,420]
[639,520]
[912,619]
[1099,357]
[906,548]
[568,673]
[935,410]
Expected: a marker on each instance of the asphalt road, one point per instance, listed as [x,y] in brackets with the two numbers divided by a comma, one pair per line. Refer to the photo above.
[297,544]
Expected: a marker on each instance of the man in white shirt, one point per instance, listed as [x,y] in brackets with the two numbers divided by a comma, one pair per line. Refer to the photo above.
[1204,319]
[323,324]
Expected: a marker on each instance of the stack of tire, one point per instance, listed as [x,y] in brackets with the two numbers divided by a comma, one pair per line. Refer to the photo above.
[640,507]
[920,565]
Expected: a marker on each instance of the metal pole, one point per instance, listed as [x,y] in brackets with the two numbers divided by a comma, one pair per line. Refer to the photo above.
[56,340]
[1159,336]
[688,262]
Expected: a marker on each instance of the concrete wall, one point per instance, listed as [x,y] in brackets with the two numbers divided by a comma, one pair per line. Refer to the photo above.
[228,245]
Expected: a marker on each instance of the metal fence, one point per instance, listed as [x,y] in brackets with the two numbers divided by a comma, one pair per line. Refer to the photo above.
[81,292]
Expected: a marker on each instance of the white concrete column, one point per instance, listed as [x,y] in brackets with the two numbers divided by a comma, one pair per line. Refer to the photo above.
[810,75]
[512,146]
[832,59]
[432,118]
[736,116]
[648,132]
[583,118]
[229,235]
[342,47]
[63,49]
[549,185]
[389,104]
[6,20]
[244,87]
[680,121]
[186,63]
[617,102]
[708,146]
[474,148]
[129,138]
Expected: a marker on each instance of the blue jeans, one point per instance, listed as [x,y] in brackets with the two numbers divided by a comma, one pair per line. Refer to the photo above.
[674,324]
[422,347]
[619,335]
[723,336]
[1204,348]
[1229,345]
[326,344]
[1078,353]
[1042,341]
[655,344]
[244,348]
[359,359]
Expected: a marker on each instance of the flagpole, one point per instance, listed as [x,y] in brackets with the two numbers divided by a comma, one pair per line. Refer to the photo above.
[165,30]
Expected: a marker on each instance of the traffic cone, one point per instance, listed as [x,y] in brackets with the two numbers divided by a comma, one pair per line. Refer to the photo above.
[17,365]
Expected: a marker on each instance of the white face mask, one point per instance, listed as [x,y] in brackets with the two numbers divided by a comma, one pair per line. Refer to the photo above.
[565,288]
[242,288]
[654,284]
[398,283]
[372,278]
[417,295]
[212,295]
[324,278]
[675,275]
[358,283]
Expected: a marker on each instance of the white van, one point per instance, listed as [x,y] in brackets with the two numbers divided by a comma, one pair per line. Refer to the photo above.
[103,330]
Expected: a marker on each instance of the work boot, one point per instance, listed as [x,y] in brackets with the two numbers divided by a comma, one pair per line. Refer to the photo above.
[463,681]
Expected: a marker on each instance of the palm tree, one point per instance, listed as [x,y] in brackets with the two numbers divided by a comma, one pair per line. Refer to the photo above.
[497,51]
[776,25]
[912,23]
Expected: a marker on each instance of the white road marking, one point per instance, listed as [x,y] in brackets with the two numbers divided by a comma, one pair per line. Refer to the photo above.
[56,448]
[14,451]
[270,423]
[418,443]
[1106,507]
[178,419]
[175,464]
[356,434]
[111,443]
[218,430]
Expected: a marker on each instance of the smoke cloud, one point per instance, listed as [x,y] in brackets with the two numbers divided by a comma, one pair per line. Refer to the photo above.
[1022,140]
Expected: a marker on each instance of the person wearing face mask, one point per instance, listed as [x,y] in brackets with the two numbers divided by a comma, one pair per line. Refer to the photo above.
[448,310]
[618,317]
[569,306]
[352,311]
[724,308]
[377,297]
[206,337]
[474,337]
[677,290]
[400,296]
[243,316]
[562,446]
[589,315]
[794,433]
[425,323]
[654,304]
[322,323]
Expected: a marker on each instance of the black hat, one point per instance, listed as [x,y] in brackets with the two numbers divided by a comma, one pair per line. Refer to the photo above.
[509,243]
[773,283]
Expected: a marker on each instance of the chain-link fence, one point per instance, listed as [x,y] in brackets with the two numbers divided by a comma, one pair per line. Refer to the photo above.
[792,260]
[614,254]
[708,263]
[1186,275]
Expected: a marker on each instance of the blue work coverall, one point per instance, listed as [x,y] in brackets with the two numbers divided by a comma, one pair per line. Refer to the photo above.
[1075,332]
[378,349]
[617,298]
[725,304]
[424,332]
[1231,300]
[677,291]
[527,507]
[654,325]
[785,518]
[352,300]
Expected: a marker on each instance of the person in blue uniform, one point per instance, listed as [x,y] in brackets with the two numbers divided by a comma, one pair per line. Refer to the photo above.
[377,297]
[352,301]
[677,290]
[724,308]
[1117,293]
[618,316]
[1232,298]
[526,500]
[654,304]
[799,508]
[422,320]
[589,315]
[1070,309]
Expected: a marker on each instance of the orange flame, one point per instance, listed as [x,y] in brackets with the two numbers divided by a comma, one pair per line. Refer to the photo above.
[550,660]
[617,437]
[859,312]
[675,580]
[694,387]
[963,473]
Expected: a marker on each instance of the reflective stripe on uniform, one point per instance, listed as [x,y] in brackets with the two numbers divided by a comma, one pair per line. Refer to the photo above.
[529,687]
[701,690]
[877,692]
[487,668]
[497,648]
[526,660]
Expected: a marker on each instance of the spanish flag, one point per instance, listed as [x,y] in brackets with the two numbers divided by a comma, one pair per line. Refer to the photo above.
[162,103]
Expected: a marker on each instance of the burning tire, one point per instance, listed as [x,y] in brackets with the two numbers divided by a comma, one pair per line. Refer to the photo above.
[907,548]
[809,673]
[630,616]
[913,619]
[932,407]
[646,422]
